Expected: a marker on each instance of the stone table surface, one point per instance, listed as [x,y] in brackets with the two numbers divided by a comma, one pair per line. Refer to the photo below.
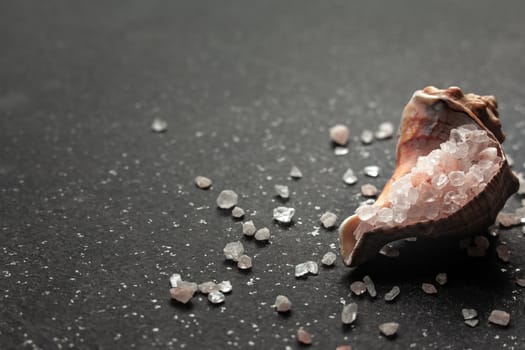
[97,211]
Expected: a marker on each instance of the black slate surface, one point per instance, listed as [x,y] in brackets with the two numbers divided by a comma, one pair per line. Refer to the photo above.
[96,211]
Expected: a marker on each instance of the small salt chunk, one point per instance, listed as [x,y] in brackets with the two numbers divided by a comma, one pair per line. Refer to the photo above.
[370,286]
[389,329]
[328,259]
[340,151]
[295,173]
[244,262]
[225,286]
[358,287]
[208,287]
[175,279]
[372,170]
[283,215]
[472,323]
[339,134]
[520,281]
[469,314]
[429,288]
[328,220]
[441,278]
[389,251]
[499,317]
[349,177]
[184,291]
[216,297]
[203,182]
[282,191]
[303,336]
[262,234]
[457,178]
[306,268]
[369,190]
[233,250]
[248,228]
[508,219]
[503,252]
[386,130]
[349,313]
[282,303]
[392,294]
[227,199]
[367,137]
[159,125]
[238,212]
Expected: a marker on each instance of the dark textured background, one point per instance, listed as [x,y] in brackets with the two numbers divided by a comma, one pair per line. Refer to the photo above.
[96,211]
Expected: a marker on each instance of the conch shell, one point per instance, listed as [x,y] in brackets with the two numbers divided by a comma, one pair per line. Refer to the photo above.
[430,118]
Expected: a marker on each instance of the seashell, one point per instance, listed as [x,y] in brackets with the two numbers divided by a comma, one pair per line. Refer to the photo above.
[441,184]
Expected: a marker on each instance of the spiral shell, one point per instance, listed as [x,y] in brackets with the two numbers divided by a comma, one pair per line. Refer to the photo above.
[427,122]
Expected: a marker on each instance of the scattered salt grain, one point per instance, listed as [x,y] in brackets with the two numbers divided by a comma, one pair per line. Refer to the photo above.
[282,191]
[472,323]
[499,317]
[225,286]
[370,286]
[369,190]
[389,251]
[283,215]
[441,278]
[238,212]
[349,177]
[295,173]
[248,228]
[503,252]
[340,151]
[429,288]
[245,262]
[159,125]
[233,250]
[339,134]
[282,303]
[208,287]
[304,337]
[389,329]
[203,182]
[371,170]
[392,294]
[305,268]
[367,137]
[262,234]
[469,314]
[227,199]
[175,279]
[386,130]
[349,313]
[328,259]
[216,297]
[328,220]
[358,287]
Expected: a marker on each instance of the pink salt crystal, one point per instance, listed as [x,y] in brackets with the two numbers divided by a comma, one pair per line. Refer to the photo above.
[358,287]
[339,134]
[429,288]
[520,282]
[503,252]
[457,178]
[182,294]
[507,219]
[499,317]
[439,181]
[304,337]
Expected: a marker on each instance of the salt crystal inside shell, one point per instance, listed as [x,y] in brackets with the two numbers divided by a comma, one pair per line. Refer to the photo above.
[441,182]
